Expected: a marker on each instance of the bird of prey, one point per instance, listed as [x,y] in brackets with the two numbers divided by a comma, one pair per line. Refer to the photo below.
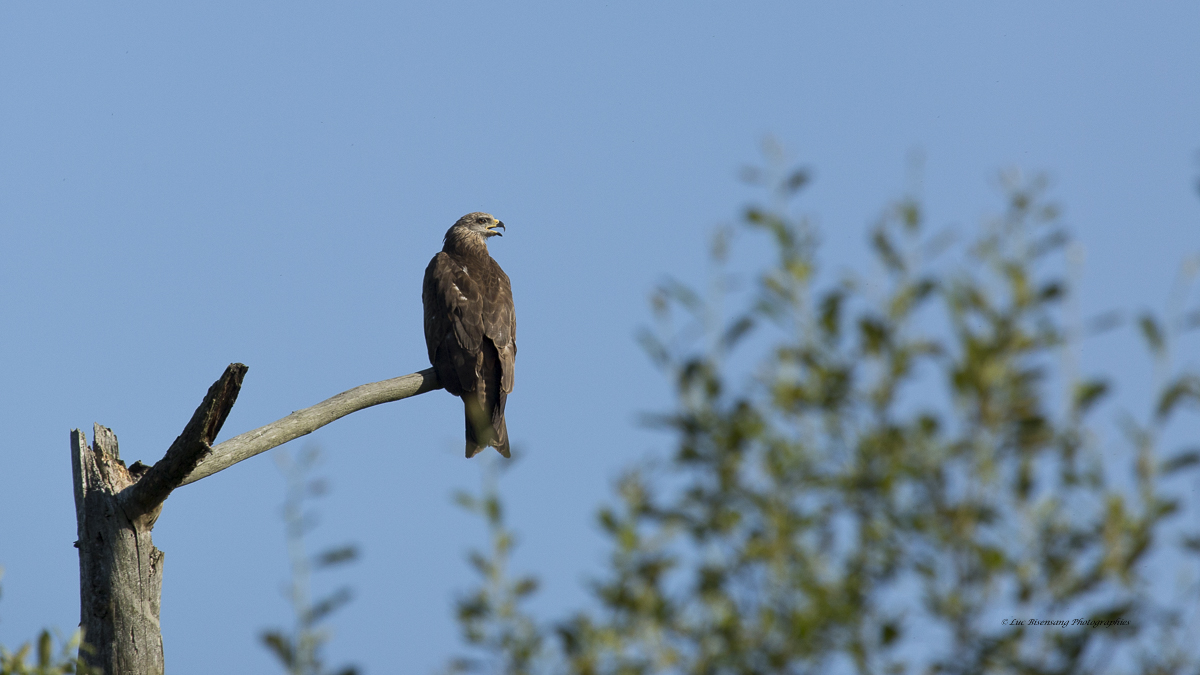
[471,328]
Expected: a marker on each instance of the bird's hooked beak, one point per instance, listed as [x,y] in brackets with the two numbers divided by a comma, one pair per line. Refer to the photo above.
[492,228]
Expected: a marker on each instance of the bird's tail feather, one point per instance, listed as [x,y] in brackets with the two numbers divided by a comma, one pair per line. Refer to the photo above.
[485,406]
[483,429]
[501,439]
[477,425]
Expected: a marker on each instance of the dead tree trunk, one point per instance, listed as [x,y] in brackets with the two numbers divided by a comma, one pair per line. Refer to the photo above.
[120,570]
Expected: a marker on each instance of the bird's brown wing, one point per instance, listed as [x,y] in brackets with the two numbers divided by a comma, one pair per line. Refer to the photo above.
[500,322]
[497,354]
[453,323]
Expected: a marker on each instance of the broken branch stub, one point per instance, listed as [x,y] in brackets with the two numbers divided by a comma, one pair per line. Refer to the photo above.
[191,446]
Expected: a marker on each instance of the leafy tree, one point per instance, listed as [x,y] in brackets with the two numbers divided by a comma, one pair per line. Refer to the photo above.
[910,478]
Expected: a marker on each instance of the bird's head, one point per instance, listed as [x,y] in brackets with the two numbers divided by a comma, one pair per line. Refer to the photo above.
[482,224]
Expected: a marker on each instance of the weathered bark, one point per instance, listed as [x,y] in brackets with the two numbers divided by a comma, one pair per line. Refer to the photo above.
[120,570]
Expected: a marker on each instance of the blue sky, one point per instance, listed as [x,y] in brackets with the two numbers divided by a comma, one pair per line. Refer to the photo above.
[186,186]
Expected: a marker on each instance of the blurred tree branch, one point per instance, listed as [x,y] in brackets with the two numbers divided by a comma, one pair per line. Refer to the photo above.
[299,651]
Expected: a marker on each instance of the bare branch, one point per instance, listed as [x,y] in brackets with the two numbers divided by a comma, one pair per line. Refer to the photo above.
[192,445]
[303,422]
[120,569]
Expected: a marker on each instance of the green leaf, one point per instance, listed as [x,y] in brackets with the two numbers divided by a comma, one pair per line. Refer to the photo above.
[318,487]
[479,562]
[1181,461]
[281,646]
[886,250]
[831,314]
[1088,393]
[466,500]
[1184,388]
[1051,291]
[328,605]
[608,520]
[736,331]
[874,334]
[1153,334]
[493,509]
[796,180]
[44,650]
[525,587]
[654,348]
[336,556]
[888,633]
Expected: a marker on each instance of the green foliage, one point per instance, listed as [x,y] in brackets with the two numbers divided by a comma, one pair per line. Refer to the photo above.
[66,660]
[299,650]
[893,491]
[491,617]
[49,662]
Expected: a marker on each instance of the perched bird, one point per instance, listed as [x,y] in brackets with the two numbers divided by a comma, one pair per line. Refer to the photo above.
[471,328]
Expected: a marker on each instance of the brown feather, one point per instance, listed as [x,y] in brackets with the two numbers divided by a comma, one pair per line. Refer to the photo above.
[471,332]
